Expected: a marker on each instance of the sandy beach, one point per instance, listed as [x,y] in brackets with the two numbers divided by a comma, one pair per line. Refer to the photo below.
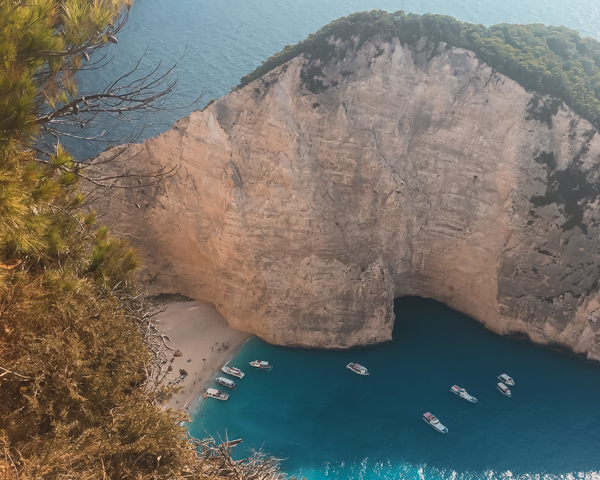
[201,333]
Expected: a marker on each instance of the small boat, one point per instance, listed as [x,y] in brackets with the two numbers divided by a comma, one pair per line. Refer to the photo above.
[506,379]
[261,365]
[234,372]
[356,368]
[462,393]
[431,419]
[226,382]
[504,389]
[214,393]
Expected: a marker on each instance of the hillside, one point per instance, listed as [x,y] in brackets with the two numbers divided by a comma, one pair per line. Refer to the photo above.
[548,60]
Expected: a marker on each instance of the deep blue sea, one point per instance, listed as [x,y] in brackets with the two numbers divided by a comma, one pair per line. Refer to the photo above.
[326,421]
[329,423]
[219,41]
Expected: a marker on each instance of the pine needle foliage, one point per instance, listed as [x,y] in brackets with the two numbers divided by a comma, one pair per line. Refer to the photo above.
[77,397]
[549,60]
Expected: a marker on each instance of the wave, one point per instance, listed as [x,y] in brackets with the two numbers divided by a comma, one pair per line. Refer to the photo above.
[369,470]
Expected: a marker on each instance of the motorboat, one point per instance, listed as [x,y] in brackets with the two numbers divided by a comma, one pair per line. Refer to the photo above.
[504,378]
[226,382]
[504,389]
[214,393]
[462,393]
[261,365]
[431,419]
[234,372]
[356,368]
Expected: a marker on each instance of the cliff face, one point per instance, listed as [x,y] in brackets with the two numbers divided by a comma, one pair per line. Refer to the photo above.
[309,199]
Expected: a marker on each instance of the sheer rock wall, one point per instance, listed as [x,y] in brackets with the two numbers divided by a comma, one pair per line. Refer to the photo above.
[309,199]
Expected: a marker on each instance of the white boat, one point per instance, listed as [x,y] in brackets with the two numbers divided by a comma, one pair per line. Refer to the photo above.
[506,379]
[234,372]
[504,389]
[214,393]
[226,382]
[357,368]
[431,419]
[462,393]
[261,365]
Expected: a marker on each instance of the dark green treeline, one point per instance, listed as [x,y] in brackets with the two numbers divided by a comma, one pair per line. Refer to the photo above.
[549,60]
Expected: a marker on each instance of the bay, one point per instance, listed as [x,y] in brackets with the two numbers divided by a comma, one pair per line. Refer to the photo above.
[328,422]
[325,421]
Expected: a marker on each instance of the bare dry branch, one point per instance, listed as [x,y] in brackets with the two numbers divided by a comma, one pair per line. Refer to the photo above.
[215,460]
[6,372]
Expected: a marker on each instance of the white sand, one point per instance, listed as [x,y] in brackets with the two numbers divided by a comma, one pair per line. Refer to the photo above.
[199,331]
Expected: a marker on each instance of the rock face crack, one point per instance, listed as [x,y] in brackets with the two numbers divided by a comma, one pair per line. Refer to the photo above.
[313,196]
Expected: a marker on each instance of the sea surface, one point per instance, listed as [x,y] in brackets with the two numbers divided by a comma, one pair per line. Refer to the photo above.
[325,421]
[329,423]
[216,42]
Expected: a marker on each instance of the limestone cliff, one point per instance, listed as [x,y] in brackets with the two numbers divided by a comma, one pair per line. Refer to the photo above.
[309,199]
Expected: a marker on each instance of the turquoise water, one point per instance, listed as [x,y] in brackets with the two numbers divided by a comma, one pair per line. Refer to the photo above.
[223,40]
[330,423]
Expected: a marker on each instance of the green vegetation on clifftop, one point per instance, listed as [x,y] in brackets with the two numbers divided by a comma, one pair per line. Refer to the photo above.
[554,61]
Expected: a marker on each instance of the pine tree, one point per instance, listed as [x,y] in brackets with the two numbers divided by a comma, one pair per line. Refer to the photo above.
[74,401]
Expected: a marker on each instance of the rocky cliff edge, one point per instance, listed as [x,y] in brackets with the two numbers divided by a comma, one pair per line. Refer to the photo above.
[306,201]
